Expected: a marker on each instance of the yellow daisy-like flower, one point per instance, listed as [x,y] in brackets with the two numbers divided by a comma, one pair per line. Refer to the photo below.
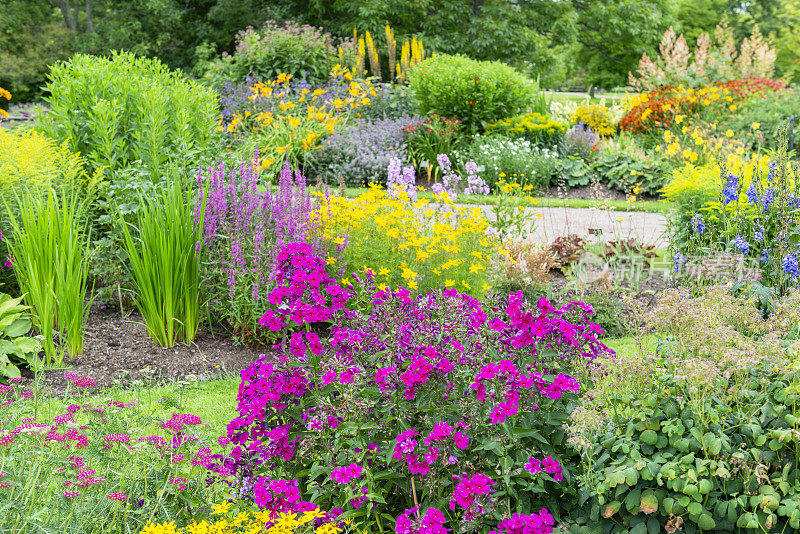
[221,508]
[729,133]
[449,283]
[755,126]
[162,528]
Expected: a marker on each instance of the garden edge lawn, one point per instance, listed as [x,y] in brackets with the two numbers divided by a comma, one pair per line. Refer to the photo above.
[645,206]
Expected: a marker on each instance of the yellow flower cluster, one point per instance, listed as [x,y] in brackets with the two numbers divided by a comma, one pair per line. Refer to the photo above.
[700,144]
[4,94]
[419,245]
[596,117]
[301,119]
[702,184]
[30,160]
[534,126]
[250,523]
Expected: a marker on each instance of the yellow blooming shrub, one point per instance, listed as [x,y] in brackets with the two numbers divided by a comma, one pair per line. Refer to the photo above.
[250,522]
[29,159]
[4,94]
[694,187]
[419,245]
[535,127]
[596,117]
[287,122]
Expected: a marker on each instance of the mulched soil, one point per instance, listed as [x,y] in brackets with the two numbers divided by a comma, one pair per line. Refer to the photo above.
[118,347]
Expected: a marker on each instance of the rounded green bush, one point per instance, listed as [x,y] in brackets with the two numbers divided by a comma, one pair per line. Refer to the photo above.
[303,51]
[475,92]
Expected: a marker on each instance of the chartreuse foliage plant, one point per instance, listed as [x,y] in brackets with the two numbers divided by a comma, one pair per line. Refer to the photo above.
[477,93]
[123,109]
[539,129]
[163,246]
[49,250]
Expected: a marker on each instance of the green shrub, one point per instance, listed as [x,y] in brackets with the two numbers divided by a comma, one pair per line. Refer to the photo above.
[626,172]
[539,129]
[302,51]
[119,110]
[475,92]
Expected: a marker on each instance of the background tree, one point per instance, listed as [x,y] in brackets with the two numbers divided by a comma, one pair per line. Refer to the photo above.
[612,36]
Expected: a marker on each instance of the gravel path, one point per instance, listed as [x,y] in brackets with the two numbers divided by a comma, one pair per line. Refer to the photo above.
[649,228]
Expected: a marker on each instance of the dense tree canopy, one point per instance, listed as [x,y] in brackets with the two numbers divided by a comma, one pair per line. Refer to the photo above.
[598,42]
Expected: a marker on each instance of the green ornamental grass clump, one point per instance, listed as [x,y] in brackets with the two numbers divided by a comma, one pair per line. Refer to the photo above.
[475,92]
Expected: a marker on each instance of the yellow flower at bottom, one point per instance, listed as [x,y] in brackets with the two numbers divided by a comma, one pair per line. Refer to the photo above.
[449,283]
[327,528]
[162,528]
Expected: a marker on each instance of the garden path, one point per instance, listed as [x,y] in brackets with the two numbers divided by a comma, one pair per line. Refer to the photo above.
[649,228]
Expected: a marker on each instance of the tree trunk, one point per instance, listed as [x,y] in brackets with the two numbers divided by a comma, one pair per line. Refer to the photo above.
[89,25]
[66,12]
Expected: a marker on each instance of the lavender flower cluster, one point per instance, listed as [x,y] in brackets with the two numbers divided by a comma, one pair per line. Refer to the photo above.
[450,180]
[361,152]
[401,180]
[581,142]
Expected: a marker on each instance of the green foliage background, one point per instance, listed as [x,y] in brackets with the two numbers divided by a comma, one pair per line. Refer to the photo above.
[564,42]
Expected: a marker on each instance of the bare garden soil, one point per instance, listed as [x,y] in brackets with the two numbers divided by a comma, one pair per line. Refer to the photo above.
[117,348]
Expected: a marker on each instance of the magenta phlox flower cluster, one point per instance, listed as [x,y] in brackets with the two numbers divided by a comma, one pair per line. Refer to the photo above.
[541,523]
[471,493]
[436,446]
[267,388]
[553,327]
[276,495]
[344,474]
[305,294]
[410,522]
[550,465]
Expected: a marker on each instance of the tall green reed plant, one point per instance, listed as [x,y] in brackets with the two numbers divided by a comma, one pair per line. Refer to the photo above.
[49,247]
[164,258]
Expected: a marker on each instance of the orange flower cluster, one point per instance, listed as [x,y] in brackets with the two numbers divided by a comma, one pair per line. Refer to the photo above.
[661,107]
